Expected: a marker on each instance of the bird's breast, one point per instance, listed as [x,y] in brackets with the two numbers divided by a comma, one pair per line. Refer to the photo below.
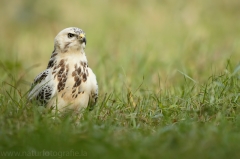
[71,78]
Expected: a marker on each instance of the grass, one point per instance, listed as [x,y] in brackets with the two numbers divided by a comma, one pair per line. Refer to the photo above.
[168,75]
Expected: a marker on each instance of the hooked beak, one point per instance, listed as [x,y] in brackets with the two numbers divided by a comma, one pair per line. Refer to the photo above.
[83,38]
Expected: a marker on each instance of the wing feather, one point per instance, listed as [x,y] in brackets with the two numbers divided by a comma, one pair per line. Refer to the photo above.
[94,89]
[43,87]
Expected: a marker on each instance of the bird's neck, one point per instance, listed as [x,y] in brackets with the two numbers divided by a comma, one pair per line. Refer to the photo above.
[74,55]
[66,52]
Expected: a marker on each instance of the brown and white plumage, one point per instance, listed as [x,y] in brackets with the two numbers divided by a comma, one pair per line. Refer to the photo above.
[68,82]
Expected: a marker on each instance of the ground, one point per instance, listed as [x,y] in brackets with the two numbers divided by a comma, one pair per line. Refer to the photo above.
[168,74]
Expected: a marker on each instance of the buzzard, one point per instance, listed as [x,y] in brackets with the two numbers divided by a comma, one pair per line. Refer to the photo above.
[68,82]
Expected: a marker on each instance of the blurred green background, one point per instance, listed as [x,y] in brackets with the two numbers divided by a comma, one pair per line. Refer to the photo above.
[127,40]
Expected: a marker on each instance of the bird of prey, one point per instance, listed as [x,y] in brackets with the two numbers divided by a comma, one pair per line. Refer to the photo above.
[68,82]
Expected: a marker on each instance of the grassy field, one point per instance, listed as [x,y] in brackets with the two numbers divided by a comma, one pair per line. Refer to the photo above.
[168,74]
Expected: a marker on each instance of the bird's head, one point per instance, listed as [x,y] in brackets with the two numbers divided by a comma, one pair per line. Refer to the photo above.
[70,39]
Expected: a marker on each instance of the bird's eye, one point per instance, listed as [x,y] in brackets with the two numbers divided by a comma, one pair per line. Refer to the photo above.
[70,35]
